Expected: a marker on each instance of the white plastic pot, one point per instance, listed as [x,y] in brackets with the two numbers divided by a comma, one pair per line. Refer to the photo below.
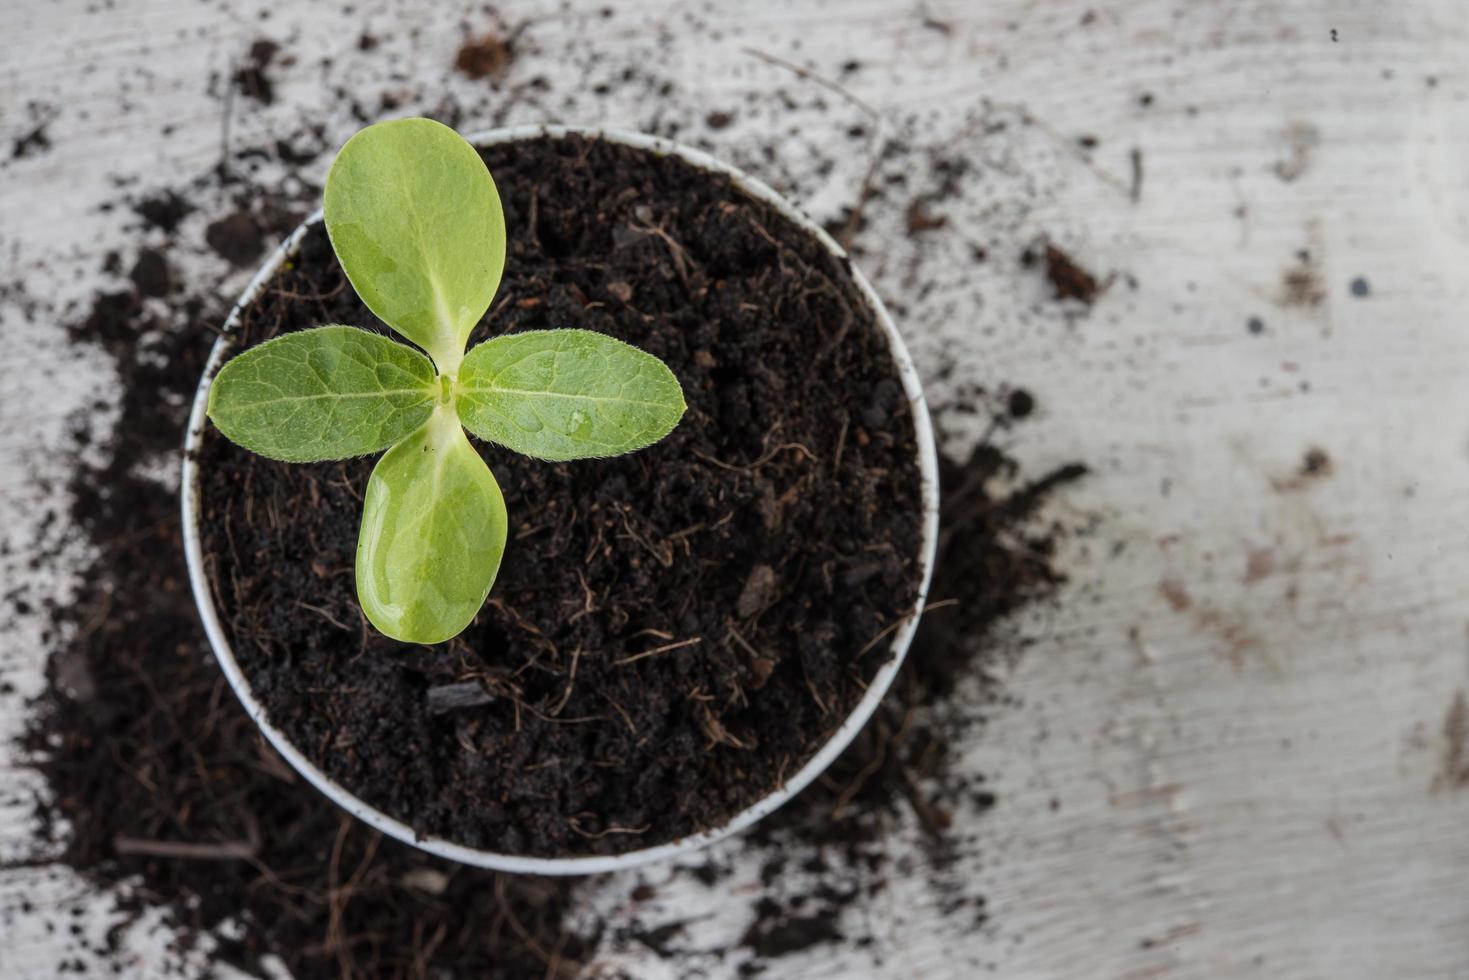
[203,595]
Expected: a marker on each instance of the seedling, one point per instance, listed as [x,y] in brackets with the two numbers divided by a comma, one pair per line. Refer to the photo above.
[415,220]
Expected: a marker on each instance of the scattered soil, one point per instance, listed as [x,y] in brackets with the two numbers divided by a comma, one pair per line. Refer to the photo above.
[163,211]
[252,79]
[1068,279]
[143,747]
[919,218]
[485,57]
[150,273]
[156,774]
[32,141]
[236,238]
[764,548]
[1454,770]
[994,558]
[1300,283]
[1315,465]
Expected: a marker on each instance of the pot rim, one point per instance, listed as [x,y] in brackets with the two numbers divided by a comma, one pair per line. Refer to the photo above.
[523,864]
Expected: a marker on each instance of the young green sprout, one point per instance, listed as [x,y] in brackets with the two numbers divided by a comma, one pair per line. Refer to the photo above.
[415,220]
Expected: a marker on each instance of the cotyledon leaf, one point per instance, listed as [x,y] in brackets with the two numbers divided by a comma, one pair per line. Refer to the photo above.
[567,394]
[325,393]
[433,532]
[416,222]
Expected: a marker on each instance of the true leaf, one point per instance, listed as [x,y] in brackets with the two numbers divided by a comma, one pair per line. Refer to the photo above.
[415,220]
[433,531]
[327,393]
[567,394]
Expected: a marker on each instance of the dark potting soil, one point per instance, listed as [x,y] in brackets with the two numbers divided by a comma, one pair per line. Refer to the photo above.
[157,777]
[673,633]
[143,747]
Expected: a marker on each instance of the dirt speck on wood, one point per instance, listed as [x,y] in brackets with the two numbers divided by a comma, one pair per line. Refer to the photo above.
[487,56]
[1454,771]
[236,238]
[1068,279]
[252,79]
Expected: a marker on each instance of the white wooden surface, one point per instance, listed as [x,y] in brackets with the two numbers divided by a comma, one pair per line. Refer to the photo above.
[1252,785]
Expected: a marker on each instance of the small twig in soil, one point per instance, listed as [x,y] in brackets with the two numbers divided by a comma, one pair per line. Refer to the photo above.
[534,221]
[735,635]
[313,298]
[765,458]
[570,681]
[507,908]
[230,850]
[681,260]
[715,731]
[935,821]
[608,832]
[836,462]
[882,634]
[663,557]
[879,757]
[657,650]
[326,616]
[627,719]
[273,765]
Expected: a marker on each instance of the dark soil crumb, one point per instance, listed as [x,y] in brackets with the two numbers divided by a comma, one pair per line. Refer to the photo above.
[486,57]
[252,79]
[1300,285]
[919,218]
[718,120]
[150,273]
[1360,287]
[1315,465]
[163,211]
[1255,325]
[31,142]
[776,531]
[236,238]
[1068,279]
[1021,403]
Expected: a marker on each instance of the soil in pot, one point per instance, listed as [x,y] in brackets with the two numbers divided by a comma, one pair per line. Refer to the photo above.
[673,633]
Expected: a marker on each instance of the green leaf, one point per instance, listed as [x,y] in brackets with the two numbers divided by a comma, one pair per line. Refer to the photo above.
[433,531]
[327,393]
[567,394]
[415,220]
